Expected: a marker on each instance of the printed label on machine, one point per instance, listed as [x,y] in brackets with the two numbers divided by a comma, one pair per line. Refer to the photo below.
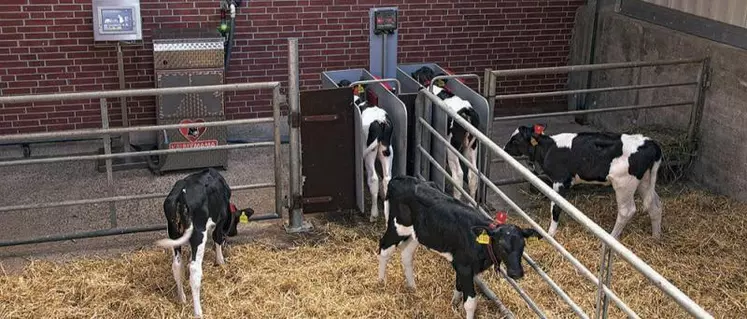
[206,143]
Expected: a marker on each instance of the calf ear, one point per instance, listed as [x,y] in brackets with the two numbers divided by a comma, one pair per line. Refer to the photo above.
[477,230]
[530,232]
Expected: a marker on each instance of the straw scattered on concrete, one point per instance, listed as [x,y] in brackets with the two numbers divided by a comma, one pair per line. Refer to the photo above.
[332,273]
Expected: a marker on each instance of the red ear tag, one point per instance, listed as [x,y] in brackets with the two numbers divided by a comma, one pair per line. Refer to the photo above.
[539,129]
[501,217]
[232,207]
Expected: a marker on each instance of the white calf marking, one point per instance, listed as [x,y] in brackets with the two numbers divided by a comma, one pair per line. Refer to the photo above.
[384,256]
[403,231]
[408,252]
[470,306]
[516,131]
[195,269]
[176,268]
[553,223]
[564,140]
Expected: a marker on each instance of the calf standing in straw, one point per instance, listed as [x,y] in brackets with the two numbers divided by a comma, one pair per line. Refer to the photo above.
[196,205]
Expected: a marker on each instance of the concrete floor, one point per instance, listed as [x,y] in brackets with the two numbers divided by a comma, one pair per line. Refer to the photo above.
[81,180]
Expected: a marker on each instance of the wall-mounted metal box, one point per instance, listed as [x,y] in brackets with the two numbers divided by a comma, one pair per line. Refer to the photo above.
[117,20]
[189,57]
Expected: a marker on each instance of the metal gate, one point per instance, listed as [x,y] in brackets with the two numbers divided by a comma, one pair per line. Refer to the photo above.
[610,246]
[328,166]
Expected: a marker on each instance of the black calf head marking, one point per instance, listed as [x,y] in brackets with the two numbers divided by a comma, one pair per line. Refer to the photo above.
[521,142]
[507,243]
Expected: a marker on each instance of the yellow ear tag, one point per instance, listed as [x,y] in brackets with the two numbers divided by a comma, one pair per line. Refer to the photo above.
[534,142]
[243,219]
[440,83]
[483,238]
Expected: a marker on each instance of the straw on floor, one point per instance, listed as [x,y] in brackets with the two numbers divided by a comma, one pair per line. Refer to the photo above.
[332,273]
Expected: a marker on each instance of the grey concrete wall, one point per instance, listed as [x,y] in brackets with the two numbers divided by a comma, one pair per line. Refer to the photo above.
[721,164]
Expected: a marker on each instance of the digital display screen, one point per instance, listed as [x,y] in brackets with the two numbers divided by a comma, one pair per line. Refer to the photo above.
[386,20]
[117,20]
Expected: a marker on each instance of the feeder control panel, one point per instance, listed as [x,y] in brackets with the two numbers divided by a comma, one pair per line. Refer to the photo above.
[385,21]
[117,20]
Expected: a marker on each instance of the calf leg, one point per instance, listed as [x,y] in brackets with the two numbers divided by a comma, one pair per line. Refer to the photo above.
[386,170]
[624,192]
[176,268]
[562,189]
[651,202]
[456,173]
[457,296]
[387,245]
[471,154]
[197,241]
[408,252]
[469,295]
[373,183]
[219,238]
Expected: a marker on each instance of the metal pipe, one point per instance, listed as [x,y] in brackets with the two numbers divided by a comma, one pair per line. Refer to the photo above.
[567,299]
[592,67]
[132,154]
[118,130]
[136,92]
[491,296]
[656,279]
[277,155]
[106,232]
[523,294]
[123,100]
[383,57]
[109,171]
[115,199]
[595,90]
[399,85]
[698,102]
[456,76]
[600,110]
[296,195]
[542,274]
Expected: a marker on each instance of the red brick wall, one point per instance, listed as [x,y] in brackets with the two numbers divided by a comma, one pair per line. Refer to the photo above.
[46,46]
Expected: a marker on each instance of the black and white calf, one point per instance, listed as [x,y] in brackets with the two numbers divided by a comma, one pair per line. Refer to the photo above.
[627,162]
[422,214]
[196,205]
[460,138]
[376,130]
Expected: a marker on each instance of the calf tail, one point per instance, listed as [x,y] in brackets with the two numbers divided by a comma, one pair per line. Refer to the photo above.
[171,243]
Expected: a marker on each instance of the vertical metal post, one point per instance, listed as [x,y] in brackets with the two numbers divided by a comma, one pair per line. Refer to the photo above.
[698,103]
[418,135]
[295,211]
[277,159]
[488,83]
[383,57]
[123,100]
[108,151]
[605,274]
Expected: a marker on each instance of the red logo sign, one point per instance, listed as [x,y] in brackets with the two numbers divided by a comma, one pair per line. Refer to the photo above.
[206,143]
[192,133]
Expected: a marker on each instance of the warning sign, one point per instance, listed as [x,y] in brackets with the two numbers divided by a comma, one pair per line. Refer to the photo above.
[196,144]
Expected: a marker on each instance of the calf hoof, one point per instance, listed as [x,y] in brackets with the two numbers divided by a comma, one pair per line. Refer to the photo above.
[182,298]
[373,219]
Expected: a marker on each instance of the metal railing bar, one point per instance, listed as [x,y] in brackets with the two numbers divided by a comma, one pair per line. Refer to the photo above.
[543,275]
[130,129]
[600,110]
[592,67]
[523,294]
[595,90]
[451,180]
[115,199]
[492,296]
[132,154]
[580,312]
[107,232]
[652,275]
[136,92]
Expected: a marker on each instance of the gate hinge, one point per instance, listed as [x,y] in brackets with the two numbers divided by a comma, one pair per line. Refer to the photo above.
[296,202]
[294,119]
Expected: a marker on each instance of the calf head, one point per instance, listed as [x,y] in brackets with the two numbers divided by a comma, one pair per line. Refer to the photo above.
[423,75]
[520,143]
[234,217]
[507,244]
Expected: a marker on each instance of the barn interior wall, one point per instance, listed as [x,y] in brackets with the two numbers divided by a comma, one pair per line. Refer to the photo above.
[720,163]
[46,46]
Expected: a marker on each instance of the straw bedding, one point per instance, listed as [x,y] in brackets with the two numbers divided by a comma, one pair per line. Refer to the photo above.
[332,272]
